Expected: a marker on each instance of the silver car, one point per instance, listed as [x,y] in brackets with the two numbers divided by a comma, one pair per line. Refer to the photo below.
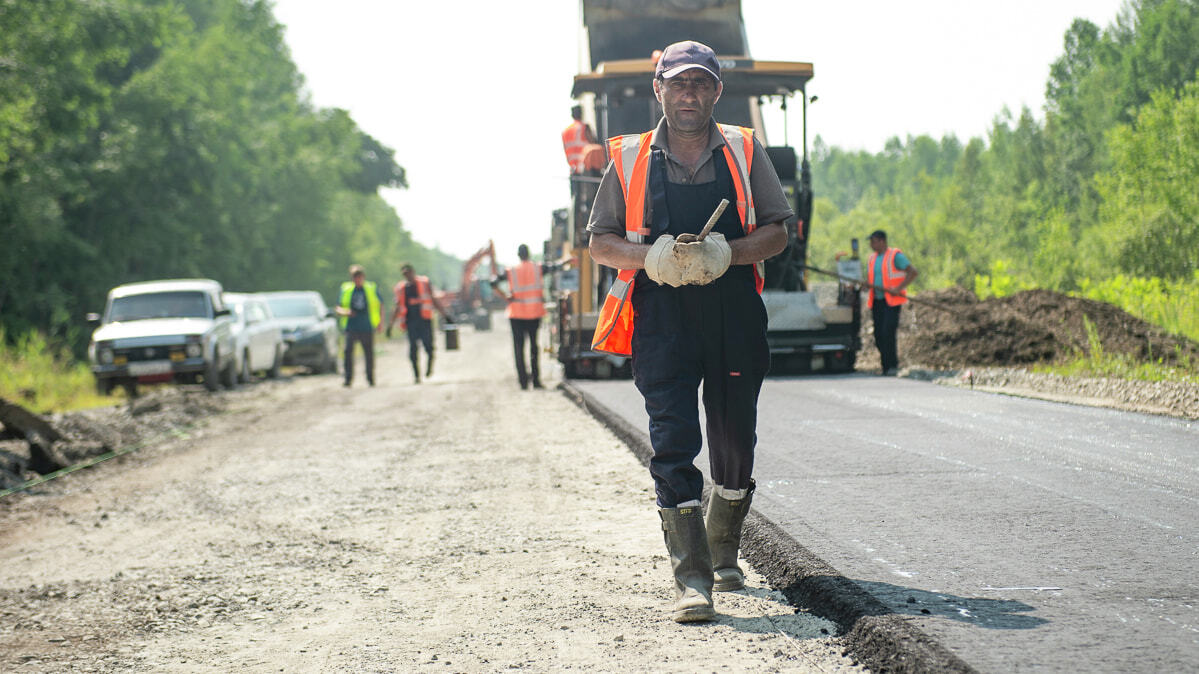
[309,329]
[258,339]
[162,331]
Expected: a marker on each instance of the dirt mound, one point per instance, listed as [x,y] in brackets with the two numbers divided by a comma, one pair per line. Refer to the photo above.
[78,436]
[1034,326]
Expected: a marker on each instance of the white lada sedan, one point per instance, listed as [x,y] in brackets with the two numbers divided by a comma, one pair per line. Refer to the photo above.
[163,331]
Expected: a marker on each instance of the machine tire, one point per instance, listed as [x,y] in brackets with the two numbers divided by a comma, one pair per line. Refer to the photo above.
[130,389]
[104,387]
[244,375]
[276,365]
[229,375]
[212,380]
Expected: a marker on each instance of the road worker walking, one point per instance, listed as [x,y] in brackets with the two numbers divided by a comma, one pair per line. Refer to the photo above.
[526,306]
[689,311]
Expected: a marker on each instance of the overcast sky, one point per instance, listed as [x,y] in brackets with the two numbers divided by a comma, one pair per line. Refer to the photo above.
[473,94]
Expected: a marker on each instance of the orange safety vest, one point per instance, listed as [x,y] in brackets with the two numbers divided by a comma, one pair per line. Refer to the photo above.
[574,141]
[524,281]
[423,291]
[891,278]
[631,156]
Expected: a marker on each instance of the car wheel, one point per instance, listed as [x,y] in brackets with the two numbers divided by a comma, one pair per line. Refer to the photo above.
[104,387]
[212,380]
[130,389]
[244,376]
[229,375]
[276,365]
[330,364]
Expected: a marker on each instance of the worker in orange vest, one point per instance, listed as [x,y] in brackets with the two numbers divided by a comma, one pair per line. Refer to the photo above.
[887,268]
[526,306]
[690,312]
[575,139]
[414,309]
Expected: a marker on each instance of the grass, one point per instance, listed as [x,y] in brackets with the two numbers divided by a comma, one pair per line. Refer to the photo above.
[45,378]
[1096,362]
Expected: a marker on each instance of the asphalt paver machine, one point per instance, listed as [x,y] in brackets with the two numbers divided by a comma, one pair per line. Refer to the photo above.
[805,333]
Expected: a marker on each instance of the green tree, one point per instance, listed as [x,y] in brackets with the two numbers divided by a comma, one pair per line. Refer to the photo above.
[1150,204]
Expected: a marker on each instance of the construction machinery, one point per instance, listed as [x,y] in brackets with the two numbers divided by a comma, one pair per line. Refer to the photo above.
[616,92]
[473,302]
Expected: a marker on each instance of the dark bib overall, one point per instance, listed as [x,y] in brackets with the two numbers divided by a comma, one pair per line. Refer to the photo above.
[714,334]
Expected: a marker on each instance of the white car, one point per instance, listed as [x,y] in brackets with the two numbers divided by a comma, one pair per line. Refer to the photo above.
[161,331]
[257,338]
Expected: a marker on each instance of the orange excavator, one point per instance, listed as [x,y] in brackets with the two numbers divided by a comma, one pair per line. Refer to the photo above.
[473,301]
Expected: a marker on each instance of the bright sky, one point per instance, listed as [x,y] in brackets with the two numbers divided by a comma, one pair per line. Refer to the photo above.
[473,94]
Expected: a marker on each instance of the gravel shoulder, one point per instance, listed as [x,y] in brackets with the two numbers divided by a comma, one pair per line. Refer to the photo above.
[459,525]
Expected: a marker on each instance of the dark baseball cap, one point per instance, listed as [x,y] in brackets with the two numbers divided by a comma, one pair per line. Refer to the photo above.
[686,55]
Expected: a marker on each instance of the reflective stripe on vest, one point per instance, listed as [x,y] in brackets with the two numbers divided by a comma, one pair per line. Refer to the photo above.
[372,302]
[524,282]
[574,141]
[426,300]
[891,278]
[631,157]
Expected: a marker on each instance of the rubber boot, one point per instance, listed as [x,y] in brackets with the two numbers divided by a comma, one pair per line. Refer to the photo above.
[725,519]
[687,545]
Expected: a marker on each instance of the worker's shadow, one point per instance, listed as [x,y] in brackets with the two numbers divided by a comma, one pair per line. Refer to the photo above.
[879,599]
[995,614]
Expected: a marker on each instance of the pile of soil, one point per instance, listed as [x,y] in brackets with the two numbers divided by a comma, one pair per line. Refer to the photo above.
[88,433]
[1033,326]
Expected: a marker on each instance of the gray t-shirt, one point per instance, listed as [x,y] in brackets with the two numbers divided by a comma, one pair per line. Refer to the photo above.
[770,203]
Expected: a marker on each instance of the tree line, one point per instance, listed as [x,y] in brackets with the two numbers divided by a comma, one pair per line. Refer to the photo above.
[1099,188]
[144,139]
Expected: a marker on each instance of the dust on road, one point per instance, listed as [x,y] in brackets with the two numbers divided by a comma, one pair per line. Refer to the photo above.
[458,525]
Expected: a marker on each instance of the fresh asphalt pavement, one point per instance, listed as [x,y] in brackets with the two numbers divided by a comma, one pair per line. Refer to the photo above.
[1021,534]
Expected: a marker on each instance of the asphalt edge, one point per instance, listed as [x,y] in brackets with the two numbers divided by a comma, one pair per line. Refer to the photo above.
[874,636]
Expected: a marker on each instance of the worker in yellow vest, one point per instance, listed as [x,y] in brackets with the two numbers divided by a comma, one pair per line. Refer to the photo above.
[889,269]
[414,309]
[689,311]
[526,306]
[360,312]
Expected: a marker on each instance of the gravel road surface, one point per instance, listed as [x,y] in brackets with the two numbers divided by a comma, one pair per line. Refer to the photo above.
[461,525]
[1023,535]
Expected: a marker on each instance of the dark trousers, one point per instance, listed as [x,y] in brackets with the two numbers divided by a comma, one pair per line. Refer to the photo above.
[367,339]
[714,334]
[886,331]
[522,329]
[420,332]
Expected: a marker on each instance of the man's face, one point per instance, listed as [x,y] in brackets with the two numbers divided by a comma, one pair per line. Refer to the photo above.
[687,99]
[878,245]
[359,279]
[409,274]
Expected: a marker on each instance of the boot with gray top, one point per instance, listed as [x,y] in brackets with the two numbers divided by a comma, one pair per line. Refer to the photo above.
[725,518]
[687,544]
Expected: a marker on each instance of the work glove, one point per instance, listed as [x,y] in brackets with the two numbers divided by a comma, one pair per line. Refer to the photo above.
[662,265]
[704,261]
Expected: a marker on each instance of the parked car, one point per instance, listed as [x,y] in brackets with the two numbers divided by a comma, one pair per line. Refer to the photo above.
[159,331]
[309,329]
[257,338]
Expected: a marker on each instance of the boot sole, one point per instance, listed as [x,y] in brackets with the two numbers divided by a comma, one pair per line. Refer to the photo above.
[694,615]
[728,587]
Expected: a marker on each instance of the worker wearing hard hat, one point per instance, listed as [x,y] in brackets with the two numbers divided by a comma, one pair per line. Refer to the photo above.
[526,306]
[888,274]
[687,308]
[414,309]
